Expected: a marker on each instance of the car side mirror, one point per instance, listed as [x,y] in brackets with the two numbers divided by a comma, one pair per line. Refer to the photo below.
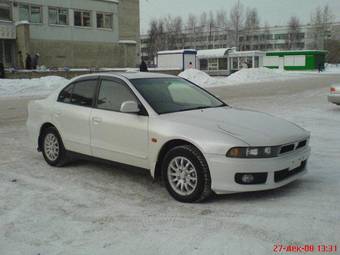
[129,107]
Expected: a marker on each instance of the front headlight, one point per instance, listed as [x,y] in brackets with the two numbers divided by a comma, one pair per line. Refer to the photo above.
[253,152]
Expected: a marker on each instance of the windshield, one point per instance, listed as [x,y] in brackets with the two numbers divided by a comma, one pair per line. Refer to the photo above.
[167,95]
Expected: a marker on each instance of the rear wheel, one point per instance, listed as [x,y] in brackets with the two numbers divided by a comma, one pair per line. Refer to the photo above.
[186,174]
[53,148]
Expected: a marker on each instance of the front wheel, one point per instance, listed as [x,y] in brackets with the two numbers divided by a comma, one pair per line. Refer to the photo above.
[186,174]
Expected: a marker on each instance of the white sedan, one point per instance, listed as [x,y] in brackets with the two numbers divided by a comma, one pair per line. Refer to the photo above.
[334,95]
[184,135]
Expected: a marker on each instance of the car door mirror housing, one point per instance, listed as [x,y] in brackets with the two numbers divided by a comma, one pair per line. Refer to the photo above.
[129,107]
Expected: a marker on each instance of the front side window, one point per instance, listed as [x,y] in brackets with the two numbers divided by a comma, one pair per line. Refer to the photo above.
[82,18]
[112,94]
[167,95]
[57,16]
[30,13]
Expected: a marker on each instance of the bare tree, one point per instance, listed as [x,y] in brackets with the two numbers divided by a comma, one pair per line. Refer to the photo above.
[153,35]
[221,19]
[191,25]
[294,31]
[321,21]
[237,21]
[251,24]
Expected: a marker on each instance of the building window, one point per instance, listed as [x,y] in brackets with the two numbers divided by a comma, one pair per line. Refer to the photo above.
[82,18]
[203,64]
[31,13]
[57,16]
[5,11]
[105,20]
[213,64]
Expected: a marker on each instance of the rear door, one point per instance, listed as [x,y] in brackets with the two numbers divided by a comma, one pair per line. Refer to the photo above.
[117,136]
[72,115]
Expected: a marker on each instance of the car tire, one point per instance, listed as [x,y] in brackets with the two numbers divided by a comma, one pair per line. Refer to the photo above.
[186,174]
[53,148]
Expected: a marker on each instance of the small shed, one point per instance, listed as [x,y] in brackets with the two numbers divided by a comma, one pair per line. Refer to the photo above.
[214,61]
[225,61]
[296,60]
[176,59]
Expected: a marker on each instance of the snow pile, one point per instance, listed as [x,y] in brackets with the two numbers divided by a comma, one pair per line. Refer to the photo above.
[31,87]
[198,77]
[243,76]
[255,75]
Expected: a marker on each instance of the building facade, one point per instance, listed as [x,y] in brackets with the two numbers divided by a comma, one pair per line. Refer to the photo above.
[70,33]
[265,39]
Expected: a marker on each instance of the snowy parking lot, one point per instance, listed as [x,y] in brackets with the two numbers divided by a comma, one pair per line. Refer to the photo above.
[97,208]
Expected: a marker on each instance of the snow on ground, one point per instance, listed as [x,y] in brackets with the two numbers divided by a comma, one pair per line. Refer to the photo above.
[198,77]
[251,75]
[30,87]
[96,208]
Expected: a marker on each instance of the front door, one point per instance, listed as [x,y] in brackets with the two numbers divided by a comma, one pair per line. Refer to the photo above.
[117,136]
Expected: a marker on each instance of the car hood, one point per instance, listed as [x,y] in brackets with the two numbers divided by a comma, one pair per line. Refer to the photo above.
[252,127]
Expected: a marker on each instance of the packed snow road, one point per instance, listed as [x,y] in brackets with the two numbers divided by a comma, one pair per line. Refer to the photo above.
[97,208]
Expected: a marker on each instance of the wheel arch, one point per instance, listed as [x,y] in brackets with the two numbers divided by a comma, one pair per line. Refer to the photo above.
[164,149]
[42,128]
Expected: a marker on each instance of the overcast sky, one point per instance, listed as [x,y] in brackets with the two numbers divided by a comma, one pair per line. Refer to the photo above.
[276,12]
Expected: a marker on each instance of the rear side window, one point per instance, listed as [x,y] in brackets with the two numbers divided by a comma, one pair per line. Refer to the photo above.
[66,94]
[80,93]
[112,94]
[83,93]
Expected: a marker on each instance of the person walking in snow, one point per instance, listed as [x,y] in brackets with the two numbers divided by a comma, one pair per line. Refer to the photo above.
[190,66]
[143,67]
[20,64]
[2,71]
[28,62]
[35,61]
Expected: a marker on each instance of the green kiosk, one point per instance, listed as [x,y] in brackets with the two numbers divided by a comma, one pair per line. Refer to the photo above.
[295,60]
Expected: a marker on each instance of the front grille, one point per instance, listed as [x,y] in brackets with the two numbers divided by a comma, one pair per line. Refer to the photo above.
[287,148]
[286,173]
[301,144]
[292,146]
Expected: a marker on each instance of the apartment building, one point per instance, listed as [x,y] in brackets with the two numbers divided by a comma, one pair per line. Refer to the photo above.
[70,33]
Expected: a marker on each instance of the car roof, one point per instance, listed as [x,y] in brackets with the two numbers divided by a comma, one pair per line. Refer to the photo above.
[128,75]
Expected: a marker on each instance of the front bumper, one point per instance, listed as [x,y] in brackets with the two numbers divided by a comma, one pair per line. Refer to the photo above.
[223,171]
[334,98]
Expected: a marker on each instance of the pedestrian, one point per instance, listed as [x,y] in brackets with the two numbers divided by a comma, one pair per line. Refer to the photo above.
[28,62]
[320,67]
[35,61]
[143,67]
[2,71]
[190,66]
[20,63]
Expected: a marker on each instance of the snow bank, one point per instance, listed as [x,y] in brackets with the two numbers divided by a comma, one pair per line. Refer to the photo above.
[256,74]
[241,77]
[30,87]
[198,77]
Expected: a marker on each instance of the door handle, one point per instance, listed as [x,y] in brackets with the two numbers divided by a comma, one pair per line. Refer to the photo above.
[97,120]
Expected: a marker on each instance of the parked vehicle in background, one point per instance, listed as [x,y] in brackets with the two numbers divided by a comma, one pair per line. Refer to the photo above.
[181,133]
[334,95]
